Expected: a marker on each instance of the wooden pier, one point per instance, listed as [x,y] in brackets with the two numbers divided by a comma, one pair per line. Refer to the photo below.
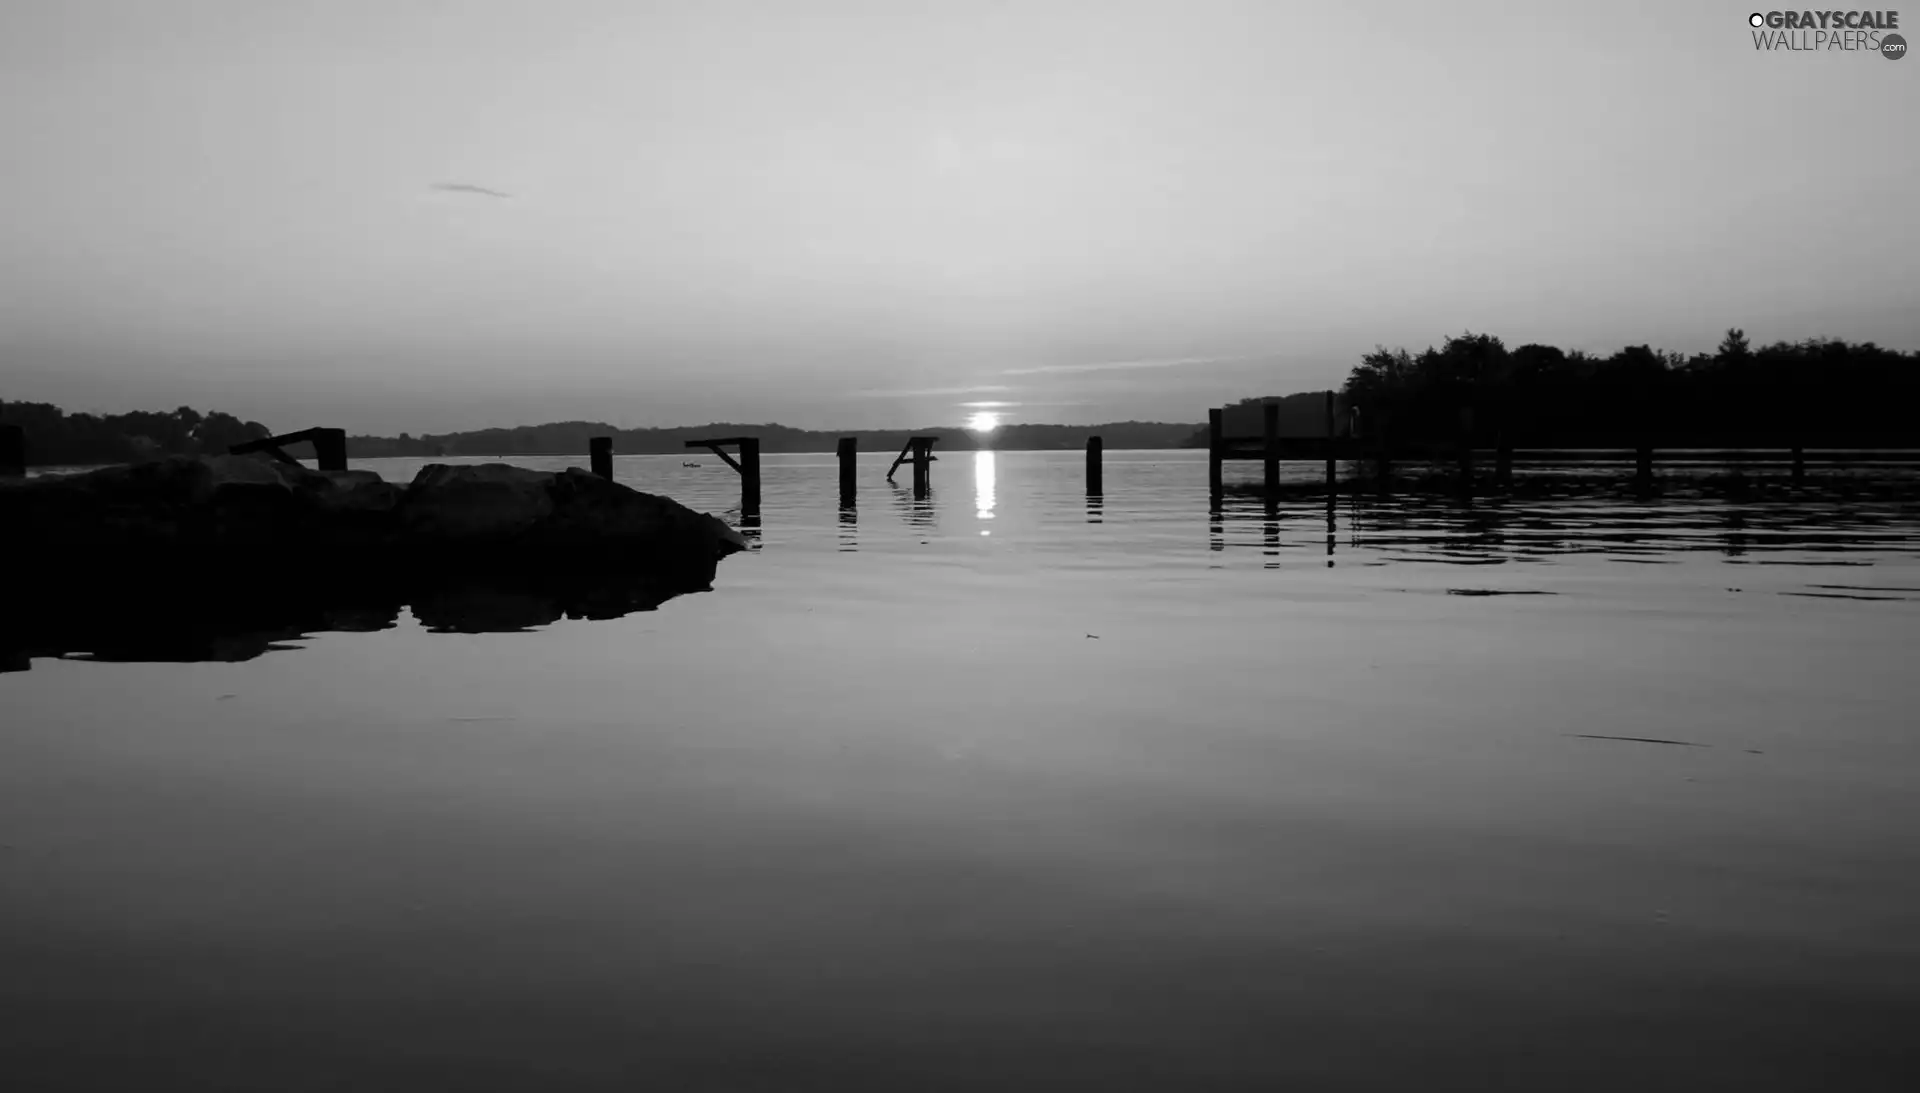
[920,450]
[748,465]
[329,447]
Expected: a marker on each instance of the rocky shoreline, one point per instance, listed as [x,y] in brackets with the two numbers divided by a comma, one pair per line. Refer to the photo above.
[240,515]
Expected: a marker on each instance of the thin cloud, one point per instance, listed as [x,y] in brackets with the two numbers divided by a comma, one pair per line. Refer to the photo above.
[466,188]
[990,405]
[918,392]
[1115,366]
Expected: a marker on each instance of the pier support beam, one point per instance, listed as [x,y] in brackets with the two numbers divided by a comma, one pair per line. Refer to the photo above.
[1094,485]
[600,456]
[1333,472]
[1214,443]
[748,465]
[1270,454]
[846,451]
[330,449]
[1465,451]
[920,450]
[13,451]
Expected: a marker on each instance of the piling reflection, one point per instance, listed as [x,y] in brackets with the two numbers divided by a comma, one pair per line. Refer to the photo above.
[1493,531]
[849,528]
[1095,509]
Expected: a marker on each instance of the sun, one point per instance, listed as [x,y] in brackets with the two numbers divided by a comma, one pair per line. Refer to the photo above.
[985,421]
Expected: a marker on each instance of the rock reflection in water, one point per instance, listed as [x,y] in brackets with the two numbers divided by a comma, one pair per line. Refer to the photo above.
[190,624]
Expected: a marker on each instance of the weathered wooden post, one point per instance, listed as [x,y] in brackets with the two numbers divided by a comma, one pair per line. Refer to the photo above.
[922,466]
[1799,463]
[1094,446]
[1333,473]
[1382,453]
[1465,453]
[1213,451]
[1270,453]
[13,451]
[749,474]
[330,449]
[1643,465]
[846,451]
[600,456]
[1503,460]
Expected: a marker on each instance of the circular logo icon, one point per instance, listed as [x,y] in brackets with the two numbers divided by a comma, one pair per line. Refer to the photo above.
[1893,47]
[1757,20]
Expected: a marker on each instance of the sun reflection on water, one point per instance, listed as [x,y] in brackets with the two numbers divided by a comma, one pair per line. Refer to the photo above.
[983,485]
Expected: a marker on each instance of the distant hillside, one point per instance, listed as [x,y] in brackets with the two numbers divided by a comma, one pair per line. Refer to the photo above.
[570,438]
[55,437]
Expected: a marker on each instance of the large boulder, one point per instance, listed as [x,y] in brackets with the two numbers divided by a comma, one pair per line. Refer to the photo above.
[570,517]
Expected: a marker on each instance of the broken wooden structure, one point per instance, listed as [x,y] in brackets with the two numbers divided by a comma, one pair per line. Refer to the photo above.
[748,465]
[920,450]
[329,447]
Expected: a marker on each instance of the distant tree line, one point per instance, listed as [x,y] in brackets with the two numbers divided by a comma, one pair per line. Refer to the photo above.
[570,438]
[1815,393]
[56,437]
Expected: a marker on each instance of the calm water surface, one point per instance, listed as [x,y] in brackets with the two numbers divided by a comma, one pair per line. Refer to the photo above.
[1008,789]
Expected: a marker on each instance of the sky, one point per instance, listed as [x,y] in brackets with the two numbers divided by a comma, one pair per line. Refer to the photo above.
[429,216]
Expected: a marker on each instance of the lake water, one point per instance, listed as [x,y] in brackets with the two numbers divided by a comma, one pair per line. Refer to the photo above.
[1011,790]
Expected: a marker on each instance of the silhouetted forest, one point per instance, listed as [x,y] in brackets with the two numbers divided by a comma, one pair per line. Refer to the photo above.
[1815,393]
[57,437]
[570,438]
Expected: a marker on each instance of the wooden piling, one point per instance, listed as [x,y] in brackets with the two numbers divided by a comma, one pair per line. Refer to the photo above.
[1503,460]
[1799,464]
[1270,453]
[749,474]
[847,450]
[748,467]
[1094,446]
[922,466]
[600,456]
[1465,449]
[13,451]
[1214,444]
[330,449]
[1333,472]
[1643,465]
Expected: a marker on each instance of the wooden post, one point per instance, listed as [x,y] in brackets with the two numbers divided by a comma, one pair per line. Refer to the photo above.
[846,450]
[330,449]
[1333,473]
[600,456]
[749,474]
[1270,453]
[1094,446]
[1466,449]
[1503,460]
[922,466]
[1799,463]
[1213,451]
[13,451]
[1643,465]
[1382,454]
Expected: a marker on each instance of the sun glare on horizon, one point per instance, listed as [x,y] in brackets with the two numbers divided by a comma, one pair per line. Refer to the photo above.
[984,421]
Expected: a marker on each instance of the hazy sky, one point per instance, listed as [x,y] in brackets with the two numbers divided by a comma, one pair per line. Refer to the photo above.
[840,214]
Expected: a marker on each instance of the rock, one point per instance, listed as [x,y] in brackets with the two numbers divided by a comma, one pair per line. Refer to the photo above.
[251,514]
[572,517]
[485,502]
